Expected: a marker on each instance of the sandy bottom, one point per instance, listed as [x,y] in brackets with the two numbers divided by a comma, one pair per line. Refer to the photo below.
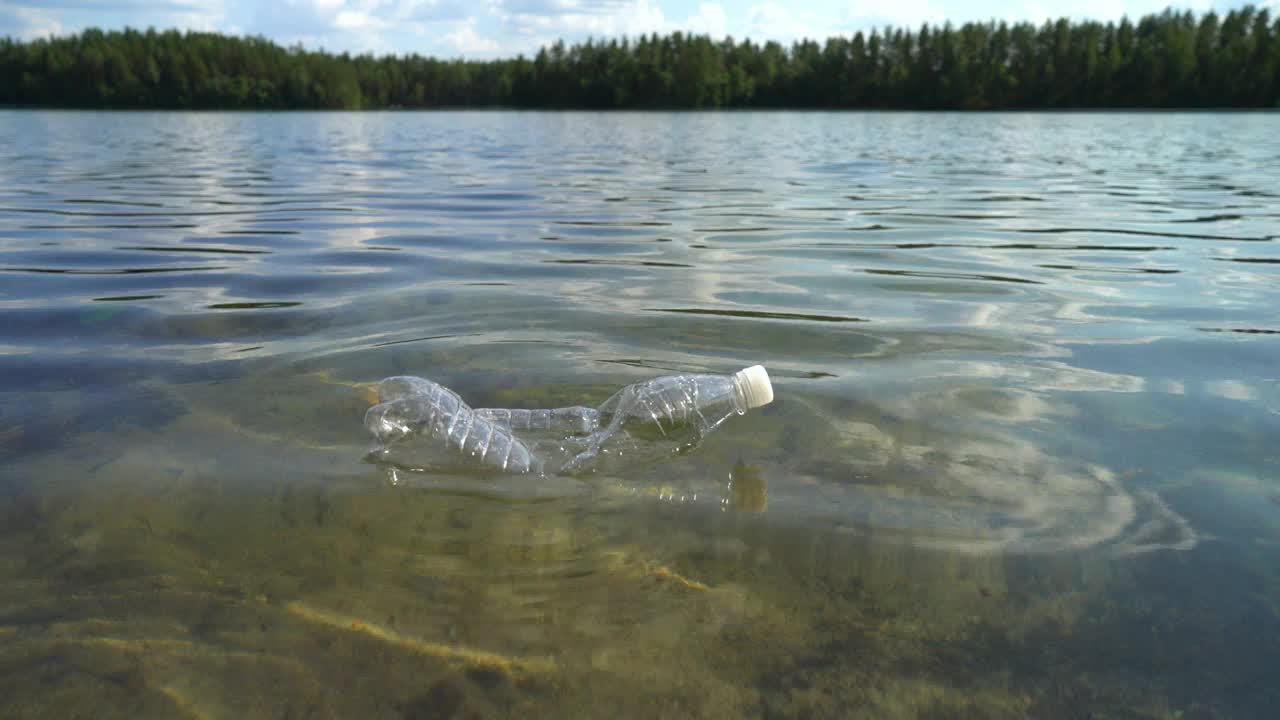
[213,566]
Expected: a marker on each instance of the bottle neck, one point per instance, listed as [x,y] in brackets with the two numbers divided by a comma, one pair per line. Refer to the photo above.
[739,395]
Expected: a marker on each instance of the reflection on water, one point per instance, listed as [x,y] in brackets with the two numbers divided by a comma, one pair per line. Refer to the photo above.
[1021,461]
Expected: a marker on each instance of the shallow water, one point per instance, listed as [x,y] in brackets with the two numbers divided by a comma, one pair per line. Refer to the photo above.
[1022,461]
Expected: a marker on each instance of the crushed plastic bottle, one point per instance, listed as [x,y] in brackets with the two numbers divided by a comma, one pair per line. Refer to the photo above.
[412,407]
[639,423]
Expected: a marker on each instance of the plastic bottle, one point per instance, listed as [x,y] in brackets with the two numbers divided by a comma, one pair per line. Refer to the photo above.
[412,408]
[640,422]
[667,415]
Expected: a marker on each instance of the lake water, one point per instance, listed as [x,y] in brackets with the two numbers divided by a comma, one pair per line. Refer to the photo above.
[1022,462]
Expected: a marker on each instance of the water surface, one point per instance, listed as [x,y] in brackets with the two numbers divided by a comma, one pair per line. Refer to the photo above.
[1021,463]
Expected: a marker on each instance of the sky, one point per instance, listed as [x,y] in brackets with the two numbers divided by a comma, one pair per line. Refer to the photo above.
[504,28]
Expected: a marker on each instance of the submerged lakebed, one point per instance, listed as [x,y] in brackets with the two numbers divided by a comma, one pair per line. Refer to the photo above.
[1021,462]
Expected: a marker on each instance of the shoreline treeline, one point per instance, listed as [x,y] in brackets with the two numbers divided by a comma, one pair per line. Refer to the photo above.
[1168,60]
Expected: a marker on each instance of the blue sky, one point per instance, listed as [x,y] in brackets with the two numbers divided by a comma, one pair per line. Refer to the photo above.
[488,28]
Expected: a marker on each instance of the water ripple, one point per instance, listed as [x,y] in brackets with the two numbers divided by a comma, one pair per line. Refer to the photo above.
[952,276]
[531,258]
[760,314]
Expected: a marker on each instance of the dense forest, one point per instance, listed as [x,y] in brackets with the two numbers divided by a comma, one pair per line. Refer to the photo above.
[1169,60]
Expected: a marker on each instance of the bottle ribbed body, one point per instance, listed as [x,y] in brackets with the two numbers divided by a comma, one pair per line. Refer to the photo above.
[423,408]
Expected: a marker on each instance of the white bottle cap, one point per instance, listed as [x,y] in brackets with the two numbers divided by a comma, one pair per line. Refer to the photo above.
[756,388]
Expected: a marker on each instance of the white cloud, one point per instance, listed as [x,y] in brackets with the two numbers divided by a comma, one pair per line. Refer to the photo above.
[37,23]
[711,20]
[544,20]
[358,20]
[466,40]
[556,7]
[902,13]
[770,21]
[37,18]
[210,16]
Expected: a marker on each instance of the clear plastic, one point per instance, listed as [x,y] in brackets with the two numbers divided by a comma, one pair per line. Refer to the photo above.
[640,423]
[574,420]
[649,420]
[411,409]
